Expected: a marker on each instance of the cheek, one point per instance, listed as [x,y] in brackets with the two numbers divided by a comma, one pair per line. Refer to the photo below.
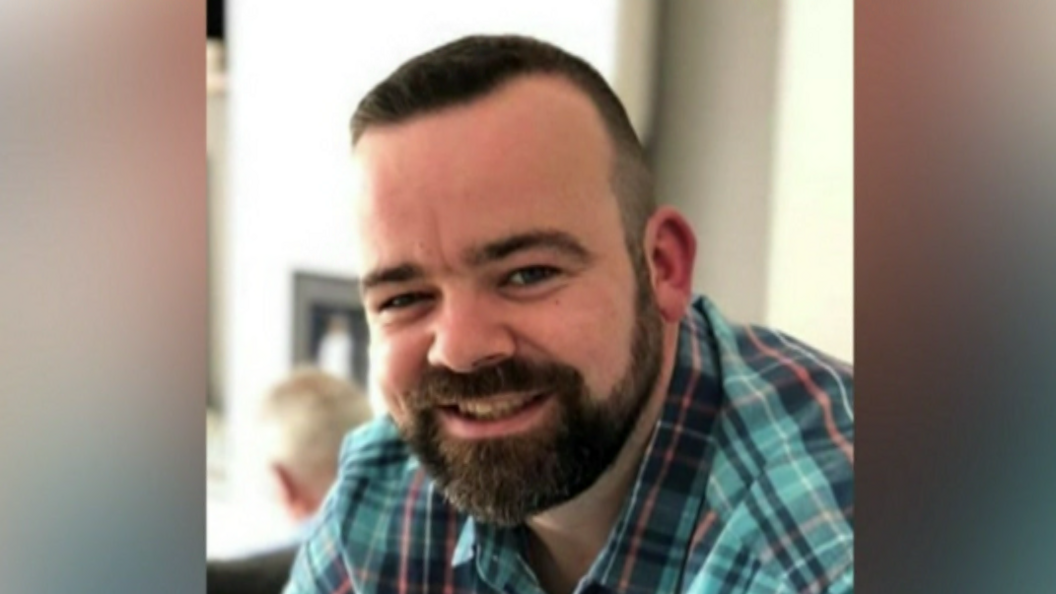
[397,364]
[607,354]
[593,335]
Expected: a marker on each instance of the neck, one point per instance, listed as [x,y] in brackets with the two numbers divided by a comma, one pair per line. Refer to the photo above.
[565,540]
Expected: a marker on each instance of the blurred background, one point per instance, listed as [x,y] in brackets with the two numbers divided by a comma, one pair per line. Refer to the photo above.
[746,110]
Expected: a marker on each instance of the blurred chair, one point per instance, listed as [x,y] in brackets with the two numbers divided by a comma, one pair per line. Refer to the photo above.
[261,574]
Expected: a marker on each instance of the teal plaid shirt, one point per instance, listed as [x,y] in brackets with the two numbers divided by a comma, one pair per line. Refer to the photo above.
[747,486]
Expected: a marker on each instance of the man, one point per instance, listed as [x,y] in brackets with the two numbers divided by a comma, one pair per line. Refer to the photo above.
[303,420]
[564,415]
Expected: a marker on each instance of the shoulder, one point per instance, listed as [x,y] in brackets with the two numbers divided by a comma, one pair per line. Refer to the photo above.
[351,537]
[783,464]
[752,353]
[376,472]
[374,452]
[779,391]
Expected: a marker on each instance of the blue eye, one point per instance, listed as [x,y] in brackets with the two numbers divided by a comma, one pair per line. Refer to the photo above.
[401,301]
[530,275]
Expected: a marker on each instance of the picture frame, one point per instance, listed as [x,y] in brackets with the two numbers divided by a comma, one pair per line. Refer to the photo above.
[330,326]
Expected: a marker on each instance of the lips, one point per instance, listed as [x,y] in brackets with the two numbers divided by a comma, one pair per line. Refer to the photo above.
[493,409]
[496,416]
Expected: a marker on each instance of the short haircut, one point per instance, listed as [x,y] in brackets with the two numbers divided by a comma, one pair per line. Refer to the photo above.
[470,68]
[308,415]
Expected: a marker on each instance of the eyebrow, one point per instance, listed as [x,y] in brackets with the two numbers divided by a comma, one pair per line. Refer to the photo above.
[557,241]
[395,274]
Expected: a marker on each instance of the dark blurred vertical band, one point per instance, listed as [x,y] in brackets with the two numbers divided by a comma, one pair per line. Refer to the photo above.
[216,19]
[954,296]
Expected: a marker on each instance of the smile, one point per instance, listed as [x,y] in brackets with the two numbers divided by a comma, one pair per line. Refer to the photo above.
[495,408]
[494,417]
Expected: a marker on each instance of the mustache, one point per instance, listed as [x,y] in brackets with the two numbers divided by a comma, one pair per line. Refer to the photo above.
[441,386]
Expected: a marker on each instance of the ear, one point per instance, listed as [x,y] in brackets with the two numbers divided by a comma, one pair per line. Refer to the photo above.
[285,485]
[299,499]
[670,250]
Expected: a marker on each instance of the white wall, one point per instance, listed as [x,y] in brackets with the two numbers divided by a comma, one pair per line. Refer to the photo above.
[754,142]
[714,136]
[294,79]
[811,272]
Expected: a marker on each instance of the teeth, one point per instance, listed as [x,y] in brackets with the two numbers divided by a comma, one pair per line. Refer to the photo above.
[493,409]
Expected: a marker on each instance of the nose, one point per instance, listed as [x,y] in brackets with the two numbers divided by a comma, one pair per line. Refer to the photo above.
[470,333]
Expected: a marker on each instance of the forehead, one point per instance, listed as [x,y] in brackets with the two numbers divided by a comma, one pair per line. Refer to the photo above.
[531,154]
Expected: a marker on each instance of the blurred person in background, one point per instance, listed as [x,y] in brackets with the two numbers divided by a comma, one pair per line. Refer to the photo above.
[303,421]
[565,415]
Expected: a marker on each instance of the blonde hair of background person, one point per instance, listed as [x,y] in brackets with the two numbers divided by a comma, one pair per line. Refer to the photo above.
[305,417]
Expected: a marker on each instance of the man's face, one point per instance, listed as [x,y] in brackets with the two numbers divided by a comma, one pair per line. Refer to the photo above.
[512,338]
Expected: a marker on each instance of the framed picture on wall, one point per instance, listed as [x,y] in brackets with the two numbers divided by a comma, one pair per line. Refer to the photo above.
[330,326]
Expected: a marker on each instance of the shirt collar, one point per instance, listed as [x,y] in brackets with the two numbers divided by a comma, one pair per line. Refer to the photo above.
[465,547]
[495,550]
[662,509]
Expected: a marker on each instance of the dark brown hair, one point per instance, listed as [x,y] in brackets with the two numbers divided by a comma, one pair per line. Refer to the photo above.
[467,69]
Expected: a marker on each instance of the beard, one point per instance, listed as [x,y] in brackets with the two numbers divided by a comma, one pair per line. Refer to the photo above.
[506,480]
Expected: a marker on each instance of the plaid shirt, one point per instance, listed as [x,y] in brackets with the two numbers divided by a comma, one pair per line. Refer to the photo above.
[746,486]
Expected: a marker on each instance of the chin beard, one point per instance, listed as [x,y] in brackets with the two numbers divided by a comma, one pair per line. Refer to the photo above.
[507,480]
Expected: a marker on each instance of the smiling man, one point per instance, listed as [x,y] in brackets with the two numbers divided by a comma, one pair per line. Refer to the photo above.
[564,414]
